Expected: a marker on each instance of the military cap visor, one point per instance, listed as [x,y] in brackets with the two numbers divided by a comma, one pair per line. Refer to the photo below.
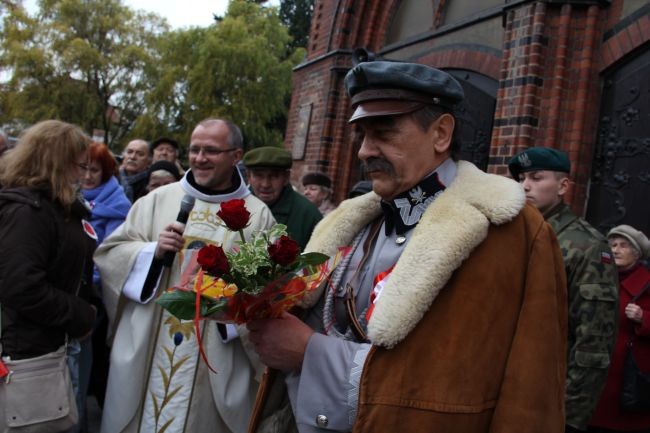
[384,107]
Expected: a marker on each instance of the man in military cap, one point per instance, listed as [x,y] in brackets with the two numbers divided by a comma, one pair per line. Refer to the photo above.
[592,279]
[428,323]
[268,171]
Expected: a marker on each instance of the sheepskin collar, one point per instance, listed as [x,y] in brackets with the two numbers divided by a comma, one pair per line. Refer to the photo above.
[450,228]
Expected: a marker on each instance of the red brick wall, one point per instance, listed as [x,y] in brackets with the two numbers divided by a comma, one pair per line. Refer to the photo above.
[335,32]
[553,57]
[549,66]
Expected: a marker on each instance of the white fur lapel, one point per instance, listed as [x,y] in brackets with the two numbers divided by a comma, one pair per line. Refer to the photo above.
[451,227]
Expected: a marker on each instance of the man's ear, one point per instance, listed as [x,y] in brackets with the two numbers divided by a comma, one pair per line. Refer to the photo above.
[563,186]
[238,154]
[443,131]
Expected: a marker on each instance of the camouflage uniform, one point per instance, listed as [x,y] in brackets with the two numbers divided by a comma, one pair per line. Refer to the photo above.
[592,281]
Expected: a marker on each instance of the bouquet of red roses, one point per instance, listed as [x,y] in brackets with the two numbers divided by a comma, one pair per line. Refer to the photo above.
[260,278]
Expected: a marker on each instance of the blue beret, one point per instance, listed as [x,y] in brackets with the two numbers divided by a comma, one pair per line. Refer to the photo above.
[268,157]
[539,158]
[389,88]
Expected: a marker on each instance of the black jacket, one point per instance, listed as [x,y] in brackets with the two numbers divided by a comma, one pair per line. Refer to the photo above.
[45,256]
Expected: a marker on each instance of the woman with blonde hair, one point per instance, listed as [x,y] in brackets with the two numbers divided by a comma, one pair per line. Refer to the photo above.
[47,244]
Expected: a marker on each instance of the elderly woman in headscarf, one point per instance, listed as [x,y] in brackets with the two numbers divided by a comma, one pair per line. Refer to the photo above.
[629,247]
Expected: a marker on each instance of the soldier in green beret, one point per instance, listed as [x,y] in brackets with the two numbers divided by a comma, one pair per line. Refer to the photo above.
[591,279]
[268,170]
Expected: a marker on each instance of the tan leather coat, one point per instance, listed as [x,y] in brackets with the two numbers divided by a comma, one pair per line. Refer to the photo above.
[469,334]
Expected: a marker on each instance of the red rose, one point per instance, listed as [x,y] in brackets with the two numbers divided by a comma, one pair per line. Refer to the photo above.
[234,214]
[213,260]
[284,251]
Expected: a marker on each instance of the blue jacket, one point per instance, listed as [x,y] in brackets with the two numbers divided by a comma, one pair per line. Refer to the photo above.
[109,207]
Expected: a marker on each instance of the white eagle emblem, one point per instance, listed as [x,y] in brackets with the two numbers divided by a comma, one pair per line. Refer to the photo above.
[524,160]
[417,195]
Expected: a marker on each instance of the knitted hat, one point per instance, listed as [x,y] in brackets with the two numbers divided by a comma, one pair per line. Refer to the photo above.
[638,240]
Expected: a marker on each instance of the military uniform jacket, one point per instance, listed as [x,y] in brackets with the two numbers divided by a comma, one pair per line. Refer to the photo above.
[592,281]
[469,334]
[297,213]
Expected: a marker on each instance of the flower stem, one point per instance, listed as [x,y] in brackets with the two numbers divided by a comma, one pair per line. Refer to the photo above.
[241,235]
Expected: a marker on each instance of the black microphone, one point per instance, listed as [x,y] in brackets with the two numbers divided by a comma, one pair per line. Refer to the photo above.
[183,214]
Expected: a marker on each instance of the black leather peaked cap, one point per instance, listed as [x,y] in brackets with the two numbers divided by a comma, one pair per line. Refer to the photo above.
[390,88]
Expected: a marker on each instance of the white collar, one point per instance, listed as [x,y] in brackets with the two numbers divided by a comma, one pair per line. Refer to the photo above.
[240,192]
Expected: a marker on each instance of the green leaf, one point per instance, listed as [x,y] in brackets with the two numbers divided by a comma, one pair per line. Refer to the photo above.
[165,378]
[312,259]
[178,365]
[216,307]
[165,426]
[156,409]
[170,396]
[170,354]
[179,303]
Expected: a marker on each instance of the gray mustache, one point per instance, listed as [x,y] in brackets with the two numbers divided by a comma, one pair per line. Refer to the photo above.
[378,164]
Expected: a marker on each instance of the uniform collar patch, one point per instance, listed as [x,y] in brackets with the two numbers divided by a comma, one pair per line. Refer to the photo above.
[404,211]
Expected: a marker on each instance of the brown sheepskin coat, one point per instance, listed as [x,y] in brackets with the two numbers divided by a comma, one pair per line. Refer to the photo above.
[469,334]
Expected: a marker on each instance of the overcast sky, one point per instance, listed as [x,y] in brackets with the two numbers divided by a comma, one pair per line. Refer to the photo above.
[179,13]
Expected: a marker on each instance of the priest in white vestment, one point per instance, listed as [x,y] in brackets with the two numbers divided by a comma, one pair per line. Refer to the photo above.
[157,381]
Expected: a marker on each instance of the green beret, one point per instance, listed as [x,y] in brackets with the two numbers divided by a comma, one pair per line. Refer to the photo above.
[268,157]
[390,88]
[539,158]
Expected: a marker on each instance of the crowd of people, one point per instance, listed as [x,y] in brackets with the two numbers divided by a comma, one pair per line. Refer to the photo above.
[466,302]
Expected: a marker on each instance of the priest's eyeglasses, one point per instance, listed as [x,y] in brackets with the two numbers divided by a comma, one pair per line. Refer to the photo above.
[209,151]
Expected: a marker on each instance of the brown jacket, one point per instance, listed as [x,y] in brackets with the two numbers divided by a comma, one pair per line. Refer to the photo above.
[478,343]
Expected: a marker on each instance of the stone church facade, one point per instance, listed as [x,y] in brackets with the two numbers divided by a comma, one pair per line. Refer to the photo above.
[573,75]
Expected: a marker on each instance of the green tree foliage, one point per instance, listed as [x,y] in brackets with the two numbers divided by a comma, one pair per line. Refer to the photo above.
[239,69]
[296,15]
[83,61]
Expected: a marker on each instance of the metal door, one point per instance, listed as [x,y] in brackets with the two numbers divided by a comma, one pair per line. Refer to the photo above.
[620,182]
[476,115]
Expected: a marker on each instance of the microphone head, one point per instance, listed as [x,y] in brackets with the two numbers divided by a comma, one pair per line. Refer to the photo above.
[187,203]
